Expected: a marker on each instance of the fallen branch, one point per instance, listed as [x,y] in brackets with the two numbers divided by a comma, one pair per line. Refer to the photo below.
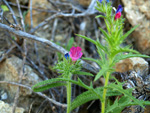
[38,93]
[58,48]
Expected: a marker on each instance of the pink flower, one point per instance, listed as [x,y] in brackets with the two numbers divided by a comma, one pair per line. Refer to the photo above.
[75,53]
[118,12]
[118,15]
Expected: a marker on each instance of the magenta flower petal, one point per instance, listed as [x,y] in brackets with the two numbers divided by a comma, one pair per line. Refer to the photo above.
[118,15]
[75,53]
[118,12]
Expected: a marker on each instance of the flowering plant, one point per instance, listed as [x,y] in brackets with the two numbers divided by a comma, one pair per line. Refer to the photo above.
[69,66]
[109,54]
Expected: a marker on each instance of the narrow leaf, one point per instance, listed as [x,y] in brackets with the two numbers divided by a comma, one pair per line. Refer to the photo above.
[107,37]
[128,33]
[100,16]
[100,73]
[92,59]
[83,73]
[48,86]
[83,98]
[70,43]
[89,96]
[129,55]
[127,92]
[86,38]
[54,80]
[4,7]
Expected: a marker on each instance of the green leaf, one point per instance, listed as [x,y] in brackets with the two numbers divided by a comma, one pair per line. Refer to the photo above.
[99,74]
[45,84]
[118,106]
[117,35]
[111,92]
[104,48]
[129,55]
[24,14]
[125,49]
[109,109]
[13,37]
[127,92]
[107,38]
[145,102]
[89,96]
[128,33]
[83,85]
[54,80]
[83,98]
[102,71]
[4,7]
[108,27]
[86,38]
[92,59]
[121,103]
[48,86]
[70,43]
[83,73]
[100,16]
[101,54]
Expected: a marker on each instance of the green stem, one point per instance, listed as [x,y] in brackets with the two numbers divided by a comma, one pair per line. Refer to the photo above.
[104,93]
[69,95]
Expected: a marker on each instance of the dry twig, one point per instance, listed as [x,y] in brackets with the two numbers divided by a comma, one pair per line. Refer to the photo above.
[46,42]
[24,53]
[10,9]
[90,11]
[38,93]
[5,54]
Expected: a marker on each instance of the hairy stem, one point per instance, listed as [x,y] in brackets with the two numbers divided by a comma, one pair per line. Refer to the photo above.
[68,95]
[104,93]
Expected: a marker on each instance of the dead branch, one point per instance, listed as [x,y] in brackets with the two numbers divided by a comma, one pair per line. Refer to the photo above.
[38,93]
[90,11]
[24,54]
[13,14]
[5,54]
[58,48]
[40,10]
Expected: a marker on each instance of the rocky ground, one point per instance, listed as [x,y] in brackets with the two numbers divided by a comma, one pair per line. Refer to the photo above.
[26,60]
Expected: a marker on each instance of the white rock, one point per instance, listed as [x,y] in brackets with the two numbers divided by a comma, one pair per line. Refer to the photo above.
[9,71]
[6,108]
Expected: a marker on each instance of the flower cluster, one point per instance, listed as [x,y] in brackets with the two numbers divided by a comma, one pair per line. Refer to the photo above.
[75,53]
[118,12]
[102,0]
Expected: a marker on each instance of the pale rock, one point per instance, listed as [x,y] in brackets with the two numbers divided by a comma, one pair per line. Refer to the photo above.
[22,2]
[59,37]
[84,2]
[136,63]
[138,12]
[9,71]
[3,95]
[38,16]
[6,108]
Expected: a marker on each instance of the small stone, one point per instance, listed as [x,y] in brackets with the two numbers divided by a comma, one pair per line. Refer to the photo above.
[6,108]
[36,15]
[59,38]
[84,2]
[136,63]
[9,71]
[3,95]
